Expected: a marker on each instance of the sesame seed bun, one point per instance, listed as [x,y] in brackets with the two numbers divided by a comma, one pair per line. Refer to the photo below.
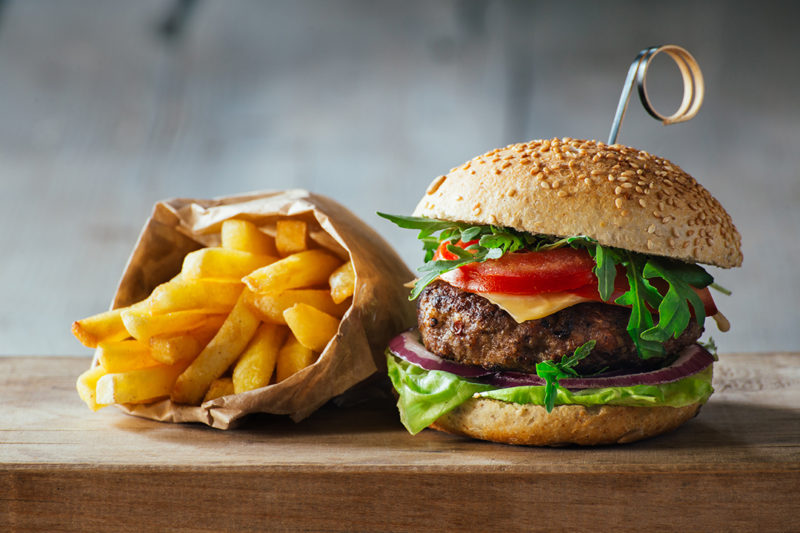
[620,196]
[511,423]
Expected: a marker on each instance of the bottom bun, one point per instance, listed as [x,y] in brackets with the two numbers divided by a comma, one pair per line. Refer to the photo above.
[532,425]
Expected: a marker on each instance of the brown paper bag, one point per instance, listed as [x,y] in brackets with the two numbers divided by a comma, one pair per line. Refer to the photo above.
[380,307]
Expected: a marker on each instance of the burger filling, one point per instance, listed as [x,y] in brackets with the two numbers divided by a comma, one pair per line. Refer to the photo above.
[466,328]
[500,309]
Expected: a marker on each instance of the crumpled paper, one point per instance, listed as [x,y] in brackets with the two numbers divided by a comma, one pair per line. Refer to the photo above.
[380,307]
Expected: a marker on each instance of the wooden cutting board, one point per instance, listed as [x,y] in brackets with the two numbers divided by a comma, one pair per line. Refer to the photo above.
[736,467]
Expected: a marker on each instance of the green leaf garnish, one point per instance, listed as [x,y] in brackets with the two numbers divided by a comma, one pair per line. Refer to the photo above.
[638,296]
[673,310]
[606,270]
[551,371]
[493,243]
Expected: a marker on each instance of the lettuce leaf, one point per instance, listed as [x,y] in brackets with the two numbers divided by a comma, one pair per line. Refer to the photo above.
[426,395]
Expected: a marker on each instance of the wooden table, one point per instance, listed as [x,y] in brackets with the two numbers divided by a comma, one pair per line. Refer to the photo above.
[62,467]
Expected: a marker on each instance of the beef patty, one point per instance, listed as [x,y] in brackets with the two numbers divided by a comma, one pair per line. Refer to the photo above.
[469,329]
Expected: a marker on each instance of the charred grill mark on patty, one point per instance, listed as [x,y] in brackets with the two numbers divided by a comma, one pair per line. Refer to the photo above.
[469,329]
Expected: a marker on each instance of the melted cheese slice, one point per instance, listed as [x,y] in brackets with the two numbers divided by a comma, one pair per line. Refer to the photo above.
[522,307]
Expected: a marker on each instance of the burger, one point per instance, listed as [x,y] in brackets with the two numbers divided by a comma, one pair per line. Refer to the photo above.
[562,299]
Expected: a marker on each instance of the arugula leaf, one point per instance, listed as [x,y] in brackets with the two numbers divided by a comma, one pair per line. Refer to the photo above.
[605,269]
[638,296]
[673,311]
[551,372]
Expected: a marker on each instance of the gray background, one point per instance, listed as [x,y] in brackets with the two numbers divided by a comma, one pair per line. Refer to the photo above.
[102,114]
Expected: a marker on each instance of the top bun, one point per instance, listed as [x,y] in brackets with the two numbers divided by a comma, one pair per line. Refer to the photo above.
[620,196]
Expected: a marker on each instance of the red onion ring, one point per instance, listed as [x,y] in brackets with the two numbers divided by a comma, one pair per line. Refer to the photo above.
[693,359]
[407,346]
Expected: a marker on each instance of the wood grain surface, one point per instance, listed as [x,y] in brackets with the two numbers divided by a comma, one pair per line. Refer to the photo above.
[736,467]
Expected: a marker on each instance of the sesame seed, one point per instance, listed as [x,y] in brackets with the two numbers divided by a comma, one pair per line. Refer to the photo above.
[618,202]
[650,244]
[562,193]
[642,202]
[651,229]
[618,190]
[435,184]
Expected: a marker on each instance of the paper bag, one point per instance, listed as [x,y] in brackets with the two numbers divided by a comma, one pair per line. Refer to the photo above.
[380,307]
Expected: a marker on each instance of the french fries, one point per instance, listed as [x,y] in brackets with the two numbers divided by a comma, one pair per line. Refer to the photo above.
[312,327]
[222,264]
[271,305]
[256,365]
[106,326]
[223,350]
[342,282]
[238,317]
[121,356]
[137,386]
[303,269]
[243,235]
[219,388]
[87,386]
[290,236]
[293,358]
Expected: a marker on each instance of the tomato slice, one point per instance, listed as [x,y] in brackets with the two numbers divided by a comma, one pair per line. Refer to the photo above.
[548,271]
[557,270]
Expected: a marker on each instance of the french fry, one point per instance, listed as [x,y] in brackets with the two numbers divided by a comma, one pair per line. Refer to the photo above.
[223,350]
[179,347]
[105,326]
[257,363]
[222,264]
[137,386]
[342,282]
[312,327]
[292,358]
[290,236]
[271,305]
[245,236]
[87,386]
[181,294]
[121,356]
[219,387]
[143,325]
[303,269]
